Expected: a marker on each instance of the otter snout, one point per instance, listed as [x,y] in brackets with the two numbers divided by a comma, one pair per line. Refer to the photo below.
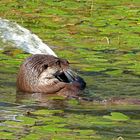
[69,76]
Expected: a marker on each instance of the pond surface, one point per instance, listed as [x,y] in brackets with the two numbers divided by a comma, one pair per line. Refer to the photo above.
[102,38]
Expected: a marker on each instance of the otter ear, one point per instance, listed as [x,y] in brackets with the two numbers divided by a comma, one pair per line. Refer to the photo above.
[45,66]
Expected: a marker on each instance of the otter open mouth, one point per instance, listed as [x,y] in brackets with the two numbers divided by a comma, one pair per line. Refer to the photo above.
[66,76]
[70,76]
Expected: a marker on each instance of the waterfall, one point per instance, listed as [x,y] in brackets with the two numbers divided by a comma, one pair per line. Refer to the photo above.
[23,38]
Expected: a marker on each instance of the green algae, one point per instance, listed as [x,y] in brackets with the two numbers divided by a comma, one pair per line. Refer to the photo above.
[117,116]
[41,125]
[102,39]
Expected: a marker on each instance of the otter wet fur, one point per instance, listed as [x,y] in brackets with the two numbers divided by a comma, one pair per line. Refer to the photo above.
[48,74]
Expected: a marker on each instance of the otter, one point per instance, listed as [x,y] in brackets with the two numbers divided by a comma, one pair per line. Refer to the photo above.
[42,73]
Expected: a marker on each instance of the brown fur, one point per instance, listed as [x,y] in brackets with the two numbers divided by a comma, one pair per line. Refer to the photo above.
[37,74]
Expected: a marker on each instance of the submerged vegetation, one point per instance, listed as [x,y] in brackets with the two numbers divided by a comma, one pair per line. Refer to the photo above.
[102,38]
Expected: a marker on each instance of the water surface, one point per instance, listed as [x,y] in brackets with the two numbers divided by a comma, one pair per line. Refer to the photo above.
[102,37]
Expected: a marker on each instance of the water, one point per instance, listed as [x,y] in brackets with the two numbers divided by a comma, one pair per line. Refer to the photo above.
[110,68]
[111,115]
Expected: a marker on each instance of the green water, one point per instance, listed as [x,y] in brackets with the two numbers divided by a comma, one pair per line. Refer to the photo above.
[102,37]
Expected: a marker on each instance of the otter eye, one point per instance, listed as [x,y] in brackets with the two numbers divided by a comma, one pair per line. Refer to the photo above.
[45,66]
[67,62]
[58,62]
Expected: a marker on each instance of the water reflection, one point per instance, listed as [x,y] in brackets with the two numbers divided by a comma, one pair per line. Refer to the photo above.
[51,101]
[54,101]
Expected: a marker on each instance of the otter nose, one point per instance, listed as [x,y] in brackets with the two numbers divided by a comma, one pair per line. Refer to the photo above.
[73,77]
[81,82]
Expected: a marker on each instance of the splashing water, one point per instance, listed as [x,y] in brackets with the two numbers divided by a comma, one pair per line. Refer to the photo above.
[23,38]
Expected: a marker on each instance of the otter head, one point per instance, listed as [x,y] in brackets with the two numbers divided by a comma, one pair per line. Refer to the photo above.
[52,68]
[47,74]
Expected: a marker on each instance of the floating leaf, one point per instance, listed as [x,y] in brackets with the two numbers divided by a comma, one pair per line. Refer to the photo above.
[47,112]
[6,135]
[117,116]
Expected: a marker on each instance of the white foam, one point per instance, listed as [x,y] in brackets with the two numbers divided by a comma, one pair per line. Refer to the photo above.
[23,38]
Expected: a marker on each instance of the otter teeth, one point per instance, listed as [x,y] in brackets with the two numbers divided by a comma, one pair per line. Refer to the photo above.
[70,75]
[59,78]
[66,76]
